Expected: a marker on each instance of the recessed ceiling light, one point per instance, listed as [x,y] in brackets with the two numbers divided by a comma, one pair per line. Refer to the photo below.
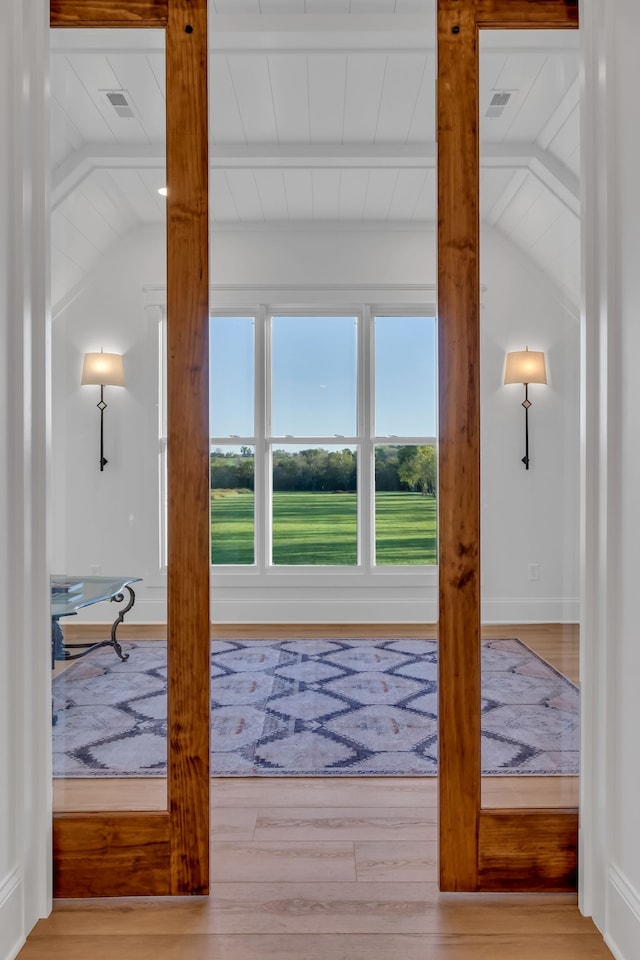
[162,191]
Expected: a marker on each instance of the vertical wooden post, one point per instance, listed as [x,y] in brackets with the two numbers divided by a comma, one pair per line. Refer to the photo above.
[459,451]
[134,853]
[489,850]
[137,852]
[188,450]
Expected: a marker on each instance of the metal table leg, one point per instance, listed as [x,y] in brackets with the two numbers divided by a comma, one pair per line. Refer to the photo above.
[60,649]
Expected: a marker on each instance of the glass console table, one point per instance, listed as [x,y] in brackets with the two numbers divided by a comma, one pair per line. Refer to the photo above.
[70,594]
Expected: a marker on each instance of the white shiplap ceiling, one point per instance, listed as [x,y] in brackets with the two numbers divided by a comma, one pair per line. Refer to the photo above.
[314,117]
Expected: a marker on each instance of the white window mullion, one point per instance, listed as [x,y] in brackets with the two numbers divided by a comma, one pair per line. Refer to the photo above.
[366,481]
[263,390]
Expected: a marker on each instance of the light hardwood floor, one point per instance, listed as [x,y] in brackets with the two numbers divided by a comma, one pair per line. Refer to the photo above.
[328,869]
[321,869]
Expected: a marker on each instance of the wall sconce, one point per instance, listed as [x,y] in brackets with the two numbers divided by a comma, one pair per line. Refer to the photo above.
[102,369]
[525,366]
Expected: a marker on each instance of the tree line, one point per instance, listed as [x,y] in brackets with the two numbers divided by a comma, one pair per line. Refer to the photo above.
[316,469]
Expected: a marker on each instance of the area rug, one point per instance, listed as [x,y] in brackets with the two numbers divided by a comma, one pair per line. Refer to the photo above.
[314,708]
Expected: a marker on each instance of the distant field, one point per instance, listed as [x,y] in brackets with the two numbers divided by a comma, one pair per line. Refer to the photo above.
[320,528]
[405,528]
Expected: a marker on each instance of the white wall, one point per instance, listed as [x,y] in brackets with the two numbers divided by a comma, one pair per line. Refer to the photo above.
[625,840]
[25,631]
[611,827]
[109,520]
[529,517]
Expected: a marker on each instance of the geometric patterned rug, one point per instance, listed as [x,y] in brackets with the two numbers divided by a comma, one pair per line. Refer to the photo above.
[314,708]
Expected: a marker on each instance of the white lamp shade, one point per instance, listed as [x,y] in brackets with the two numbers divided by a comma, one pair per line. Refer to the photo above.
[104,369]
[525,366]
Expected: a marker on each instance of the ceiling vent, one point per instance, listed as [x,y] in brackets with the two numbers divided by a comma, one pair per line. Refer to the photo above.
[498,104]
[120,104]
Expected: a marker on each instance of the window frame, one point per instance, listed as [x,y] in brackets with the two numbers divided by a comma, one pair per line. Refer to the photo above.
[365,442]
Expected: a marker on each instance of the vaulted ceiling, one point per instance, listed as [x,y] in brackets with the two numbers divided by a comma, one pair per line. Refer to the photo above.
[320,110]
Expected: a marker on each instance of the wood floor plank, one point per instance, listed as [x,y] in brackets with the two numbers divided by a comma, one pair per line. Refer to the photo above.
[317,947]
[380,908]
[346,823]
[283,861]
[106,793]
[530,791]
[233,823]
[321,908]
[326,791]
[396,860]
[150,794]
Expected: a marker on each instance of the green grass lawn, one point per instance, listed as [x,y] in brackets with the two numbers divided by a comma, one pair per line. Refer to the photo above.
[314,528]
[231,527]
[405,528]
[320,528]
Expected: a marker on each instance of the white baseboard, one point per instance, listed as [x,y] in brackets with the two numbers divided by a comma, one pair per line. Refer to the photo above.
[329,609]
[12,933]
[524,610]
[386,611]
[622,935]
[283,611]
[323,611]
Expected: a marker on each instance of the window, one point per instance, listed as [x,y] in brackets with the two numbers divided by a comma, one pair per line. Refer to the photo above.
[232,418]
[323,439]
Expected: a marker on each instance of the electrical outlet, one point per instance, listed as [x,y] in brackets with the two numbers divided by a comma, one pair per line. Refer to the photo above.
[534,571]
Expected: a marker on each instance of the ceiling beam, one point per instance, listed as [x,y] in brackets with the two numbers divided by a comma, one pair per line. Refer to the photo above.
[236,156]
[546,167]
[79,164]
[309,34]
[569,102]
[75,168]
[108,13]
[526,14]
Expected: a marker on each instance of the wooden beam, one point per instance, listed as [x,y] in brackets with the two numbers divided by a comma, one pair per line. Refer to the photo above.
[527,14]
[111,855]
[132,854]
[459,454]
[528,850]
[108,13]
[478,849]
[188,444]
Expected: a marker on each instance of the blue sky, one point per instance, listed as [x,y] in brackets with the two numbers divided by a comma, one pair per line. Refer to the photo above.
[314,376]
